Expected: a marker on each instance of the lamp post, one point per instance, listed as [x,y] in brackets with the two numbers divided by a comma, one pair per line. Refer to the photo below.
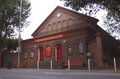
[19,37]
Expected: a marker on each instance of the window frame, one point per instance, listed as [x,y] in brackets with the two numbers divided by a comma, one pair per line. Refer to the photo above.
[81,48]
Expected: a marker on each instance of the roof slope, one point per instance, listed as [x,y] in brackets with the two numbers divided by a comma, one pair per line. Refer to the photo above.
[84,17]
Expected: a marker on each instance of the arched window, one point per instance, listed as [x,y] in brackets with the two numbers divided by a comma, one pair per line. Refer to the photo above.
[69,49]
[41,54]
[48,51]
[32,55]
[64,24]
[54,27]
[26,55]
[70,21]
[58,52]
[81,47]
[49,28]
[59,25]
[43,30]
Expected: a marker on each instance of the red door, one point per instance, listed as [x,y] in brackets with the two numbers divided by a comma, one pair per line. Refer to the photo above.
[41,54]
[59,52]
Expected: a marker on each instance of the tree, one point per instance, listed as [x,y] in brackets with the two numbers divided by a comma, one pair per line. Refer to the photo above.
[10,18]
[111,21]
[12,44]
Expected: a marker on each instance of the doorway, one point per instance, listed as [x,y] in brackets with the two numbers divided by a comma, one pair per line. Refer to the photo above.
[58,52]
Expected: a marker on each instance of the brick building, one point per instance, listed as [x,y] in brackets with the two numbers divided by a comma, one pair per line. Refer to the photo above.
[65,35]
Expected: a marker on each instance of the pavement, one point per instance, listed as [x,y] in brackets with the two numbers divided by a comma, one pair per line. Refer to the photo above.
[57,74]
[61,70]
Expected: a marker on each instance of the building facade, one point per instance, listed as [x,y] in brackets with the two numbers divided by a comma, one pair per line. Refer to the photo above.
[65,35]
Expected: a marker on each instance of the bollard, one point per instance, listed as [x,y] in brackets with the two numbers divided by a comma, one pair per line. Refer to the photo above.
[51,67]
[38,65]
[115,68]
[68,64]
[89,64]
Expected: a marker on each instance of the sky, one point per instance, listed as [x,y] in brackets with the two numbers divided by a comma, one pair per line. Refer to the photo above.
[40,9]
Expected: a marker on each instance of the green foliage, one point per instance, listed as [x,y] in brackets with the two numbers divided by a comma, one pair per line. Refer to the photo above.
[12,44]
[112,20]
[112,5]
[10,18]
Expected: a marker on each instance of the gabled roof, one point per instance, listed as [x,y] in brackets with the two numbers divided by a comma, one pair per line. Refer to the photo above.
[87,18]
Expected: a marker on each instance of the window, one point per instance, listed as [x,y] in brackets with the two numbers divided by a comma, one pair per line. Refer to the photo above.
[26,55]
[59,25]
[64,24]
[54,27]
[69,50]
[49,28]
[81,48]
[70,21]
[32,54]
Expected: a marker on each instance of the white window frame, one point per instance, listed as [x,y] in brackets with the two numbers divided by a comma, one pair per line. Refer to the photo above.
[32,54]
[26,55]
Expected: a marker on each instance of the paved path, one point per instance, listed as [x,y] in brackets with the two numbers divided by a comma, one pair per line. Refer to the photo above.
[57,74]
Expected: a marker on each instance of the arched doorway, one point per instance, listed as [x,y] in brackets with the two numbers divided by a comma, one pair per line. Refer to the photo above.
[41,54]
[58,52]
